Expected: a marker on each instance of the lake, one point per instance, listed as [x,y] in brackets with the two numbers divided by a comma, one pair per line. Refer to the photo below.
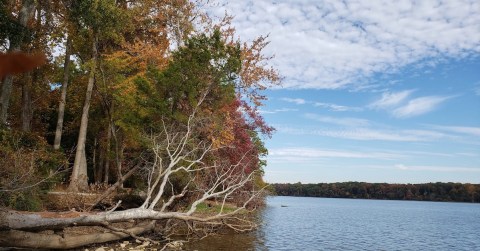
[300,223]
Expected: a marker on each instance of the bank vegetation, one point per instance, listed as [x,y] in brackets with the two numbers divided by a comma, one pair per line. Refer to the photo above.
[127,117]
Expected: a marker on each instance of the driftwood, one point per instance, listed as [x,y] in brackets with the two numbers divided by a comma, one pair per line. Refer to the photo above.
[14,220]
[22,239]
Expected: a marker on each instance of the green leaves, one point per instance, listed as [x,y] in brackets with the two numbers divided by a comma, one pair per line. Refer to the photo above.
[103,17]
[205,65]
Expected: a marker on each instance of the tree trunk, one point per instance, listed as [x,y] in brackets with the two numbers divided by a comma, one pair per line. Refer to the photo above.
[79,178]
[101,160]
[97,166]
[21,239]
[27,103]
[63,99]
[26,12]
[107,154]
[14,220]
[118,152]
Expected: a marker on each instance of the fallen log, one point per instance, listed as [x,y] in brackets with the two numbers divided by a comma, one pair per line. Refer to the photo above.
[16,220]
[23,239]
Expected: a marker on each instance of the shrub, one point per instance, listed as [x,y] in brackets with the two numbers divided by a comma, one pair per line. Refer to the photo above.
[27,169]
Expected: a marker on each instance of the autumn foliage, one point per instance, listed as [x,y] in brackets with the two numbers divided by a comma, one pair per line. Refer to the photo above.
[132,68]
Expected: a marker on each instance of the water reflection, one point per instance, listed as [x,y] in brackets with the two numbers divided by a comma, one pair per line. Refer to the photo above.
[234,241]
[228,242]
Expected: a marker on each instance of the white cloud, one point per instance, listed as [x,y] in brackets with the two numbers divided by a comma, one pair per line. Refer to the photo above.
[369,134]
[277,111]
[333,44]
[318,153]
[390,99]
[344,121]
[297,101]
[400,105]
[419,106]
[373,135]
[468,154]
[437,168]
[473,131]
[338,108]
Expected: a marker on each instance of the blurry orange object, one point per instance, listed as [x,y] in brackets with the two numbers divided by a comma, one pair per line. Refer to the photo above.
[19,62]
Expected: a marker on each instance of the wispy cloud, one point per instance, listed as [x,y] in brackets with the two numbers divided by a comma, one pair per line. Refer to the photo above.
[277,111]
[297,101]
[437,168]
[370,134]
[474,131]
[419,106]
[343,121]
[390,99]
[316,153]
[331,44]
[401,105]
[377,135]
[329,106]
[338,108]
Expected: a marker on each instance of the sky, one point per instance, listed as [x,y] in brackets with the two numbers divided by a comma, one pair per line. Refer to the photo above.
[373,91]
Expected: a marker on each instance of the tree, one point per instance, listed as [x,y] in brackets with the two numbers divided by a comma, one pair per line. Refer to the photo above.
[16,41]
[174,151]
[102,21]
[165,107]
[63,99]
[79,178]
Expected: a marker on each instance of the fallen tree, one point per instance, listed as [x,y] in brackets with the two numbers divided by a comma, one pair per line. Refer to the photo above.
[23,239]
[175,152]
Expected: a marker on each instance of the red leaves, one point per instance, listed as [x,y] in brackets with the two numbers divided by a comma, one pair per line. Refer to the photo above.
[244,122]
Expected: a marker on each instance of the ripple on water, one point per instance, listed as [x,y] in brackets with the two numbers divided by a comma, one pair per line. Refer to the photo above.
[346,224]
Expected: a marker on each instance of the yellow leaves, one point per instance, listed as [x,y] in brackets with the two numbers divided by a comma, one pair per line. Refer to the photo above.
[226,137]
[221,131]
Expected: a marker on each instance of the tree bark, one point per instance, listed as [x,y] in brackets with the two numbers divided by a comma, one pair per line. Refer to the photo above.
[118,152]
[97,167]
[14,220]
[79,178]
[26,12]
[21,239]
[27,103]
[107,154]
[63,99]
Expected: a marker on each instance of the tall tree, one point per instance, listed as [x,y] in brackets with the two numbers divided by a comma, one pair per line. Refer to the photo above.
[16,40]
[79,178]
[104,22]
[63,98]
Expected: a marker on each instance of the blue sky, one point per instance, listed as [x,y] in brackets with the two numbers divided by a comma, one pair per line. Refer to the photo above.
[375,91]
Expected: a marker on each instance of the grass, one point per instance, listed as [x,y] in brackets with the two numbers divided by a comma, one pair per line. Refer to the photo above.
[213,207]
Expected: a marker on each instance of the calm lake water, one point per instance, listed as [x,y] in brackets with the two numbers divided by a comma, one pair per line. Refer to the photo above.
[299,223]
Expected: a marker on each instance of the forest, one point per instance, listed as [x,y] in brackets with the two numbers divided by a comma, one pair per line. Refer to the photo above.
[128,116]
[455,192]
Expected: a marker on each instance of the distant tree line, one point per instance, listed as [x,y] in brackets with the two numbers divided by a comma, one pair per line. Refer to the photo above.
[439,191]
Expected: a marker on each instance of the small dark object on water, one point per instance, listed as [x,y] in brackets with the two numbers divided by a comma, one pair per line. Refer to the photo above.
[283,205]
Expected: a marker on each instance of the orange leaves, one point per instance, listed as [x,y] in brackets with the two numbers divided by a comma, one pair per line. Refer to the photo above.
[225,136]
[256,74]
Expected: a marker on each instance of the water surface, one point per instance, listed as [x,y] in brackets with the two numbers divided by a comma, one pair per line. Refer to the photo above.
[299,223]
